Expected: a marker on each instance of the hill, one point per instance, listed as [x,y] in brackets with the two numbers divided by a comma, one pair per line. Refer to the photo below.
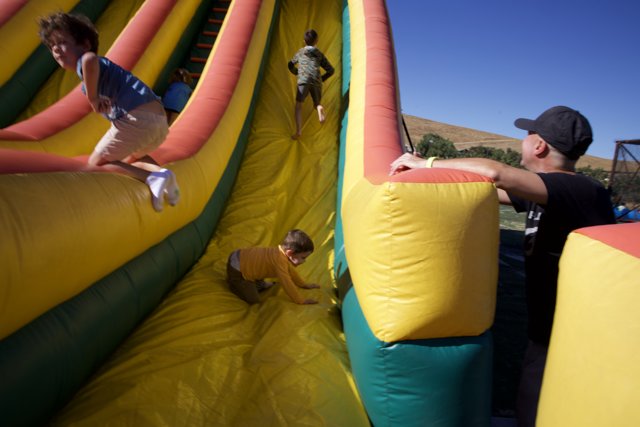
[464,138]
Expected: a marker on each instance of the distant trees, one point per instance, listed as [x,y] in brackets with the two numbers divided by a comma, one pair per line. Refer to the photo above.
[626,189]
[597,173]
[509,157]
[433,145]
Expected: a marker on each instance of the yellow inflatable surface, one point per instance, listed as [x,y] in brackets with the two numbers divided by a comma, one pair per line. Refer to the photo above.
[204,357]
[592,376]
[35,279]
[422,250]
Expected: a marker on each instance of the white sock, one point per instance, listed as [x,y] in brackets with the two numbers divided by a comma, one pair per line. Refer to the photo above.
[157,182]
[172,191]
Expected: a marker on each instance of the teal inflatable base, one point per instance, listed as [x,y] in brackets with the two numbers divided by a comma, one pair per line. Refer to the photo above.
[444,382]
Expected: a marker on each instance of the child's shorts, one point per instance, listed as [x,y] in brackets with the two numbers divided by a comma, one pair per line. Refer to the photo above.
[304,90]
[136,134]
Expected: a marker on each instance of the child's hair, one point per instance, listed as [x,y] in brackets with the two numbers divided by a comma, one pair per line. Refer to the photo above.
[77,26]
[310,37]
[298,241]
[181,75]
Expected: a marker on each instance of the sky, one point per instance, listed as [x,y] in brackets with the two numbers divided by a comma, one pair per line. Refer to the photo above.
[481,64]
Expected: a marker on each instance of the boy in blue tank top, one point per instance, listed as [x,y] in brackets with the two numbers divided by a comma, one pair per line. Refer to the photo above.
[138,120]
[177,94]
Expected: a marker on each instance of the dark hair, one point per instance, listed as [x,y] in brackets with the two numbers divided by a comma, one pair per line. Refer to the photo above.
[77,26]
[181,75]
[310,37]
[298,241]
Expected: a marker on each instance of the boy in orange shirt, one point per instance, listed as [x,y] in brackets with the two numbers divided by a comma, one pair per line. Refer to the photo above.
[247,268]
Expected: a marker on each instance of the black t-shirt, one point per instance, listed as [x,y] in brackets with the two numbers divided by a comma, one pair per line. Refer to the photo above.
[574,201]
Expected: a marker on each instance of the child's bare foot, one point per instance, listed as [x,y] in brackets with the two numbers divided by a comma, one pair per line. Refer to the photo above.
[321,115]
[296,136]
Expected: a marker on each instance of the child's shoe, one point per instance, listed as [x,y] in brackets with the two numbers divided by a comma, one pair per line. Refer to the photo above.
[157,182]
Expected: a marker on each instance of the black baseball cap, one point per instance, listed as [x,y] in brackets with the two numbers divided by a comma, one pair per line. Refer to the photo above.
[564,128]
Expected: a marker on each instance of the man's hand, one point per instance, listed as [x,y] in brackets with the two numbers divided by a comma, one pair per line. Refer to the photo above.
[406,161]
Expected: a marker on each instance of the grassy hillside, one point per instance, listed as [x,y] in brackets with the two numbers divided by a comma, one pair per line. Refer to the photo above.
[464,138]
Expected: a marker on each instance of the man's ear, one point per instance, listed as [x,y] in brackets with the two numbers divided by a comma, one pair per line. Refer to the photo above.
[541,148]
[288,252]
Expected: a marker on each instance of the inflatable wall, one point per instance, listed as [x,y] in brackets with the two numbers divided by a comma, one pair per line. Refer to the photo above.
[421,251]
[592,376]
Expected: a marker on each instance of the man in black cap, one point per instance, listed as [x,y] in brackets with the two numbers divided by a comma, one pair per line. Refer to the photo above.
[557,201]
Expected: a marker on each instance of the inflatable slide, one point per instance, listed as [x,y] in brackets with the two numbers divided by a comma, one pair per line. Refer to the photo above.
[112,313]
[87,258]
[420,249]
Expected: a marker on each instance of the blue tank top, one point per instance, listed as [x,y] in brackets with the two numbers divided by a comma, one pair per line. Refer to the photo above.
[125,90]
[176,96]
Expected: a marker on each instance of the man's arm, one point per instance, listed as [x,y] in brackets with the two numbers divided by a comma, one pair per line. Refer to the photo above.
[519,182]
[503,197]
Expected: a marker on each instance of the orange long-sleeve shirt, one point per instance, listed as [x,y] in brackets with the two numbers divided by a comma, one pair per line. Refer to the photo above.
[260,263]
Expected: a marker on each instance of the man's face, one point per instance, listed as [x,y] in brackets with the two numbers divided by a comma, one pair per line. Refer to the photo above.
[528,148]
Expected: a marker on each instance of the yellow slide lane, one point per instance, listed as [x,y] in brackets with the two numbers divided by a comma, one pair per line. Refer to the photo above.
[204,357]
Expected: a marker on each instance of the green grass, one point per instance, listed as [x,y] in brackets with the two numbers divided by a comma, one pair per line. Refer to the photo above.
[510,219]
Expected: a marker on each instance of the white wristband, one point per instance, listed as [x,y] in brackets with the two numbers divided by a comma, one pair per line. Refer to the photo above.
[429,163]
